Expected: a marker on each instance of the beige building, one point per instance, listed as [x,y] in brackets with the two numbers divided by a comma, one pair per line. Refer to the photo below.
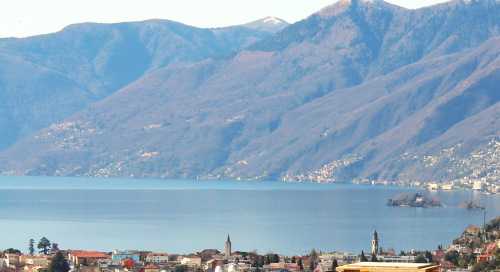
[388,267]
[40,260]
[192,260]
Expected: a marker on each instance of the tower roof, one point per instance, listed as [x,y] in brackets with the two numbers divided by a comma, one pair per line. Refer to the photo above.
[228,240]
[375,233]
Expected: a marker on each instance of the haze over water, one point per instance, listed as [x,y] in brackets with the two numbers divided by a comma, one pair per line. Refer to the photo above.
[185,216]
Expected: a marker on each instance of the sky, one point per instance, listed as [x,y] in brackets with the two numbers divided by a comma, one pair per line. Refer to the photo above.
[23,18]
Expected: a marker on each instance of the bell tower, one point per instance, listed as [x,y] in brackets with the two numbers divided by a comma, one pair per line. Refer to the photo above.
[375,243]
[228,246]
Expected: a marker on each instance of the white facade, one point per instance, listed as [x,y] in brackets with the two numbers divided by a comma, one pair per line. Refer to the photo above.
[478,185]
[157,257]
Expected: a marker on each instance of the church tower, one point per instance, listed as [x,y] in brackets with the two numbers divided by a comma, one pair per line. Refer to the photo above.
[228,246]
[375,243]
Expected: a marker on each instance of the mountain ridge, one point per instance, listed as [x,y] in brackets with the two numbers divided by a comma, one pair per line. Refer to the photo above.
[96,60]
[355,95]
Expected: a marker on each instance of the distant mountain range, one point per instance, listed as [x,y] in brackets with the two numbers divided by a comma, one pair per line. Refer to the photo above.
[45,79]
[360,89]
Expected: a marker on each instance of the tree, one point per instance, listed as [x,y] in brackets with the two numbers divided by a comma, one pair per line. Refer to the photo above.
[420,259]
[299,264]
[428,256]
[58,264]
[261,261]
[381,251]
[363,257]
[43,245]
[374,258]
[391,251]
[11,250]
[293,259]
[257,269]
[452,256]
[335,264]
[255,263]
[181,268]
[276,258]
[402,253]
[313,256]
[268,260]
[311,266]
[31,247]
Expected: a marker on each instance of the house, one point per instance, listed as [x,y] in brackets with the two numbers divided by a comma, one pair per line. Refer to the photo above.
[33,268]
[157,257]
[91,257]
[388,267]
[129,254]
[40,260]
[396,259]
[485,258]
[283,265]
[191,260]
[496,232]
[128,263]
[208,254]
[11,258]
[151,268]
[482,258]
[474,230]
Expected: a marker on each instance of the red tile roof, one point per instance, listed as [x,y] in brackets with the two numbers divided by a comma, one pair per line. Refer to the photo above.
[474,228]
[89,254]
[158,254]
[151,266]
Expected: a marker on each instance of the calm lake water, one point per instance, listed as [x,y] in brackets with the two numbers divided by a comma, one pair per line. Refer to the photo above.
[185,216]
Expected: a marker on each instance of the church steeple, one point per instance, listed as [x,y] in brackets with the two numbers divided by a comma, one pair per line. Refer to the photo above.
[228,246]
[375,243]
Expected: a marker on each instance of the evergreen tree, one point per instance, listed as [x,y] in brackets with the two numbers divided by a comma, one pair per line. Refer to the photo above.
[363,257]
[311,266]
[374,258]
[335,264]
[58,264]
[276,258]
[313,256]
[44,245]
[268,261]
[31,247]
[420,259]
[257,269]
[255,263]
[293,259]
[428,256]
[299,264]
[261,261]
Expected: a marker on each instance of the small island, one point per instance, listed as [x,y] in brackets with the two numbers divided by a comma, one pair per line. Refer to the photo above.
[416,200]
[472,205]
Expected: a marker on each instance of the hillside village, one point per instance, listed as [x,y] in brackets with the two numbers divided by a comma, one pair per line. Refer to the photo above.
[477,249]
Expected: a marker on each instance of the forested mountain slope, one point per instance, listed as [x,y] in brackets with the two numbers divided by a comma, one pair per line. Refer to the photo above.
[360,89]
[45,79]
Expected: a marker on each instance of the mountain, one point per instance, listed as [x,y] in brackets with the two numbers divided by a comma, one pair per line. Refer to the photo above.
[360,89]
[269,24]
[45,79]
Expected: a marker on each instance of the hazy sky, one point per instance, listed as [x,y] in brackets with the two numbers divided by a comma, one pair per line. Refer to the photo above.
[22,18]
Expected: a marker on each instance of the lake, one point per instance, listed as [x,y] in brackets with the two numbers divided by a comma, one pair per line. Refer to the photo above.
[185,216]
